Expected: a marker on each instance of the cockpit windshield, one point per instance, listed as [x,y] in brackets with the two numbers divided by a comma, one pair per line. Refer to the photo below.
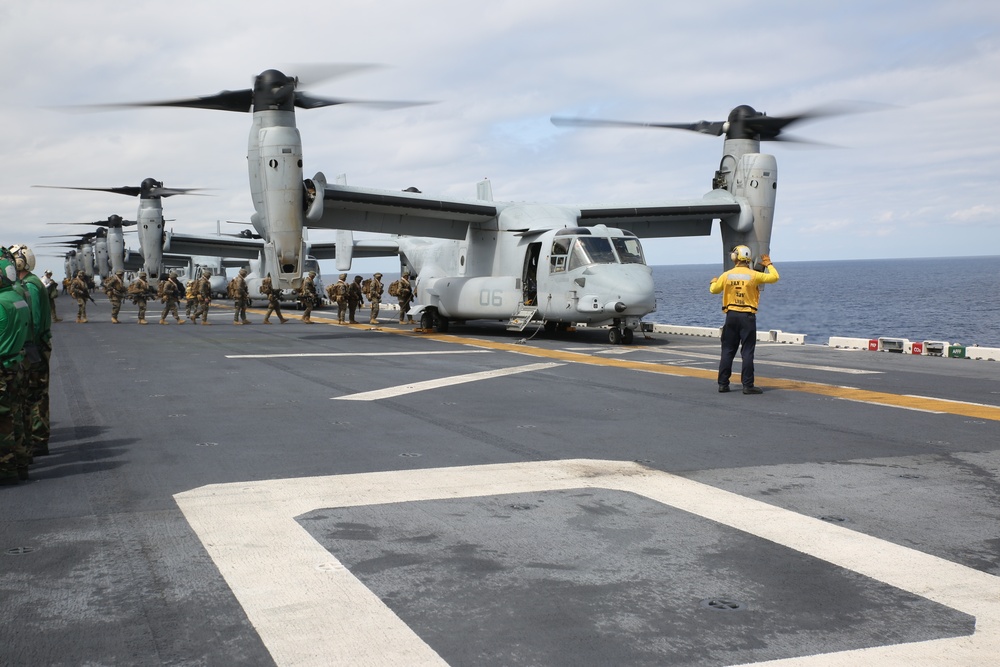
[570,253]
[629,250]
[591,250]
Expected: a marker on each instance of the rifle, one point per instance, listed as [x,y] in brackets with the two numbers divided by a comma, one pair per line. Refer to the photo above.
[91,299]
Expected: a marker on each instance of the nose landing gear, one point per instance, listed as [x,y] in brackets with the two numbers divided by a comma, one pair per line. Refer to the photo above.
[618,334]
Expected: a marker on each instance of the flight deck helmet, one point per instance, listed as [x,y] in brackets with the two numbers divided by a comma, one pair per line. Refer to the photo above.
[24,259]
[741,253]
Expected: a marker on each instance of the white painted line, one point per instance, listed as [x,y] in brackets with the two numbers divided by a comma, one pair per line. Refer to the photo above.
[352,354]
[310,610]
[948,400]
[888,405]
[401,390]
[766,362]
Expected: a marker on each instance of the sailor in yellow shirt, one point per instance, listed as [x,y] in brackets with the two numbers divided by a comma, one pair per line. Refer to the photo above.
[740,289]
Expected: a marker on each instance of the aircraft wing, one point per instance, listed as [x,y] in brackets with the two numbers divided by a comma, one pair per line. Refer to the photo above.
[361,248]
[391,212]
[216,246]
[662,219]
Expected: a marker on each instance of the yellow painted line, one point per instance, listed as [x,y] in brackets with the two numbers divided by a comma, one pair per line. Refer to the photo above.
[924,403]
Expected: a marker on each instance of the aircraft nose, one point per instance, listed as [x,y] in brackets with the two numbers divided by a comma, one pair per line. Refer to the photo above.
[631,289]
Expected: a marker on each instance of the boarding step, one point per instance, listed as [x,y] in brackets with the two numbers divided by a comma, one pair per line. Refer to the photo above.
[521,318]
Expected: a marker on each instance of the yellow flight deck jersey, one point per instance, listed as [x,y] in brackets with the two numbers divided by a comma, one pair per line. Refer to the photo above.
[740,287]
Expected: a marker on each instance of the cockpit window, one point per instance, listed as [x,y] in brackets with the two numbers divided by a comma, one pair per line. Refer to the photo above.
[629,250]
[560,248]
[593,250]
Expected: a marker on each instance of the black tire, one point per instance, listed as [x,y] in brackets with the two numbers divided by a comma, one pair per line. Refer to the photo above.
[427,320]
[614,335]
[627,336]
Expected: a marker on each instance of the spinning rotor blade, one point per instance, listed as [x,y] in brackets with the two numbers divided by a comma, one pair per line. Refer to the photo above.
[272,90]
[112,221]
[744,122]
[152,189]
[227,100]
[311,74]
[703,127]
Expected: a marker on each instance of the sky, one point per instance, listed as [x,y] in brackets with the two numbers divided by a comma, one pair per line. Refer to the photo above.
[913,177]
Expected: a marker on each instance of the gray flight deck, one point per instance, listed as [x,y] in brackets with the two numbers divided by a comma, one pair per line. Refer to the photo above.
[323,494]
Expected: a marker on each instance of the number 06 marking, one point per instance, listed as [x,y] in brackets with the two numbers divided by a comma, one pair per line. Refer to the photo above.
[490,297]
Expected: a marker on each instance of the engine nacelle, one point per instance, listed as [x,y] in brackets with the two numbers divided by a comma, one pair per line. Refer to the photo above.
[754,183]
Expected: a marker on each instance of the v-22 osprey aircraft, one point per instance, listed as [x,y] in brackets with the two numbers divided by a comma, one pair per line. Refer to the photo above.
[564,265]
[284,201]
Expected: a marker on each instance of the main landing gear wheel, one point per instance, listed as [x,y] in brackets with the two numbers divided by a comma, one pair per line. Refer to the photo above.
[426,320]
[627,336]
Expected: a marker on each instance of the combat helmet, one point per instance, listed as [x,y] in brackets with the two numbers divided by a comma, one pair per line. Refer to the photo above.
[343,276]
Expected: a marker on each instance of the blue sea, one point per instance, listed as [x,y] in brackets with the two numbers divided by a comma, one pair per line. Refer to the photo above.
[953,299]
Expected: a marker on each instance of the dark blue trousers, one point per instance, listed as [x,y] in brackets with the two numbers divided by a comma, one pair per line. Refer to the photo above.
[738,333]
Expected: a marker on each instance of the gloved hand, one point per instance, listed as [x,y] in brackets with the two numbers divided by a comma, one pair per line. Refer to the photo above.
[765,260]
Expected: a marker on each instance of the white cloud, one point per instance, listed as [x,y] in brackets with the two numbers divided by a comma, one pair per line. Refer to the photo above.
[498,72]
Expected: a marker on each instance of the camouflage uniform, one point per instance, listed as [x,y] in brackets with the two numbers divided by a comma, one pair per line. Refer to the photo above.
[171,291]
[36,386]
[241,298]
[203,292]
[53,289]
[80,290]
[338,294]
[355,297]
[273,300]
[309,297]
[139,290]
[114,287]
[15,330]
[375,296]
[191,296]
[405,297]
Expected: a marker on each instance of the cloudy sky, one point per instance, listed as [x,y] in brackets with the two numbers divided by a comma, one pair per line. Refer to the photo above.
[916,178]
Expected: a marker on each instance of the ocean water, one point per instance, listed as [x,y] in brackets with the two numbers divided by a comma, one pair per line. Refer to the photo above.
[953,299]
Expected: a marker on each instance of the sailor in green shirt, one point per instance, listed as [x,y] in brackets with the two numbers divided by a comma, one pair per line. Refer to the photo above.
[36,387]
[15,325]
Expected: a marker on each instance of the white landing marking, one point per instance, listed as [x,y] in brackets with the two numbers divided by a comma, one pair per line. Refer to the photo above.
[889,405]
[351,354]
[401,390]
[765,362]
[310,610]
[621,349]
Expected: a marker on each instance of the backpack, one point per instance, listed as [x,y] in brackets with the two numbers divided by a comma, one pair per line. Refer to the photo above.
[366,287]
[394,287]
[231,290]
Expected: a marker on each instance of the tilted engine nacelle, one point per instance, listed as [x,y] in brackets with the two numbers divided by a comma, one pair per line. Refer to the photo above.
[753,181]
